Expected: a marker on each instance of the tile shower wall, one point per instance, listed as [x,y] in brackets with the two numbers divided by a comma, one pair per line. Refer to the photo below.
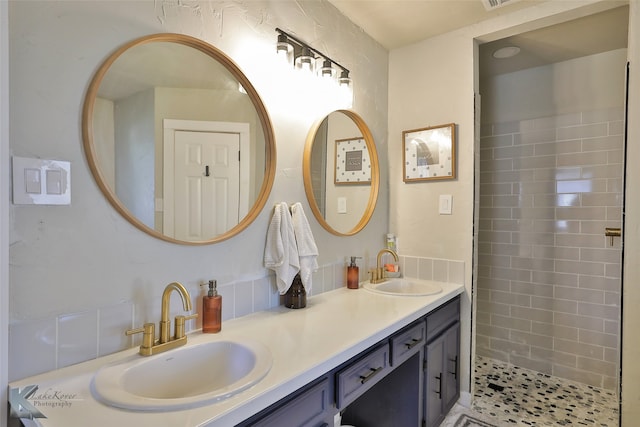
[548,279]
[51,343]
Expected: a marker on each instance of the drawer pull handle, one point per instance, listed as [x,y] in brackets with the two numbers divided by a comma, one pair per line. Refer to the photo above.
[439,392]
[414,342]
[365,378]
[455,367]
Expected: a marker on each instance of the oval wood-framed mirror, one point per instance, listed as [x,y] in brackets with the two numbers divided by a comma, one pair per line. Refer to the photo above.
[162,120]
[341,172]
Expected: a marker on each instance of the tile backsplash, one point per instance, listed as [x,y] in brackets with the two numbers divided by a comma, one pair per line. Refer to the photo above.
[548,279]
[43,345]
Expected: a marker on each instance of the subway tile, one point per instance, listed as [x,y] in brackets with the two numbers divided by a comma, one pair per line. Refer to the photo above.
[494,284]
[579,349]
[615,157]
[497,309]
[532,238]
[540,264]
[113,321]
[502,176]
[556,226]
[513,152]
[425,269]
[511,298]
[579,321]
[505,128]
[595,282]
[486,154]
[597,338]
[613,271]
[484,247]
[532,213]
[32,348]
[533,314]
[262,291]
[578,375]
[581,186]
[611,355]
[557,174]
[601,172]
[560,120]
[531,339]
[486,201]
[509,347]
[614,213]
[511,322]
[555,278]
[554,330]
[581,159]
[581,213]
[610,383]
[597,227]
[535,136]
[612,298]
[580,267]
[578,294]
[554,305]
[603,255]
[411,267]
[77,337]
[485,224]
[482,316]
[553,356]
[491,142]
[493,331]
[511,274]
[484,271]
[603,115]
[530,362]
[615,185]
[501,200]
[581,240]
[582,131]
[440,270]
[532,289]
[495,188]
[555,252]
[616,128]
[558,147]
[604,143]
[495,236]
[456,272]
[487,351]
[486,129]
[569,199]
[498,164]
[512,225]
[600,311]
[483,294]
[537,162]
[510,249]
[597,366]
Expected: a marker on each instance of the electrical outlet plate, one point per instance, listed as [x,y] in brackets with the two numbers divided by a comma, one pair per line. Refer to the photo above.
[445,207]
[41,182]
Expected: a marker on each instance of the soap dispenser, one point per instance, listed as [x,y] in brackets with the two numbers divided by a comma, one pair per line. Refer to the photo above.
[211,309]
[353,275]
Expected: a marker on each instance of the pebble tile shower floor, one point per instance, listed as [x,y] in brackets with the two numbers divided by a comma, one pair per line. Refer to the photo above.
[530,398]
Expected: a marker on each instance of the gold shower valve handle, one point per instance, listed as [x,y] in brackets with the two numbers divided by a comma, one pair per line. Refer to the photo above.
[612,232]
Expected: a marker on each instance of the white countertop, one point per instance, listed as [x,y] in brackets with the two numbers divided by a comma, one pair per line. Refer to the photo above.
[305,344]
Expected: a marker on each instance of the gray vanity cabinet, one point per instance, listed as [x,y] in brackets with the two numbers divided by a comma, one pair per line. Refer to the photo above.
[442,362]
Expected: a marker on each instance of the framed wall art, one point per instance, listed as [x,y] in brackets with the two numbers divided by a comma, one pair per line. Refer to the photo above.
[353,165]
[429,153]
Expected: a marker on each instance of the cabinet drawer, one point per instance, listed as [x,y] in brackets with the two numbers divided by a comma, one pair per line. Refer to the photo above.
[407,343]
[308,409]
[441,318]
[359,376]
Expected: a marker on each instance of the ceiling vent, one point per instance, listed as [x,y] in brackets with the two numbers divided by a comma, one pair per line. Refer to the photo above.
[494,4]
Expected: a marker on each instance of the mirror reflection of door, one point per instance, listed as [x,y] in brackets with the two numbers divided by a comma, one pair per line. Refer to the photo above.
[206,168]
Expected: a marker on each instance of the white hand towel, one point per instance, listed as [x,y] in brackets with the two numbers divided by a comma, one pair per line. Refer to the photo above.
[281,252]
[307,249]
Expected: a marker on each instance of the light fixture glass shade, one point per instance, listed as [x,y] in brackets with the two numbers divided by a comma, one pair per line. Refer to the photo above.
[284,49]
[344,79]
[325,69]
[305,61]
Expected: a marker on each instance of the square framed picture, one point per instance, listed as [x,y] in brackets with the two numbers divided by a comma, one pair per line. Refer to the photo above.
[353,165]
[429,154]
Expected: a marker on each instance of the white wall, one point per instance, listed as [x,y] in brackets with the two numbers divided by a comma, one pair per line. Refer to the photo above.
[4,208]
[430,83]
[70,264]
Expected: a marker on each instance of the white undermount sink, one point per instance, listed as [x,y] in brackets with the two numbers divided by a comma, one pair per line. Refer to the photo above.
[186,377]
[404,287]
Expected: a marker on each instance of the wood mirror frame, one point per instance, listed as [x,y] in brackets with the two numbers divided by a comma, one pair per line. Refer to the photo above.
[375,174]
[267,130]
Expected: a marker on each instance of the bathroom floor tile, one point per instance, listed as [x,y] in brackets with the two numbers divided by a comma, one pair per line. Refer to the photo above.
[510,395]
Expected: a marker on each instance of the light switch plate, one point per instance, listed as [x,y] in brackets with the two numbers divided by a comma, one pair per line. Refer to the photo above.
[41,182]
[445,207]
[342,205]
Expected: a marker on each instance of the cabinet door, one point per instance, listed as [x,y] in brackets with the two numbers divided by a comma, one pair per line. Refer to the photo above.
[434,381]
[451,386]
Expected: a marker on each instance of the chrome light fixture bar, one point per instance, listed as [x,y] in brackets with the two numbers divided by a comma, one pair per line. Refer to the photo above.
[304,57]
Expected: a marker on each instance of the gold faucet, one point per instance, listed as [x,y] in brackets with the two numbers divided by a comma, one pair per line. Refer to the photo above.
[165,342]
[377,275]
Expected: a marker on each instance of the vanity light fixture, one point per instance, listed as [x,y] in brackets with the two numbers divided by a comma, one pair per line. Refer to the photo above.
[307,57]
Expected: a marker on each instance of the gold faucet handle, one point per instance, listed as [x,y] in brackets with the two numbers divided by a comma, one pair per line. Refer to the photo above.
[148,332]
[179,324]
